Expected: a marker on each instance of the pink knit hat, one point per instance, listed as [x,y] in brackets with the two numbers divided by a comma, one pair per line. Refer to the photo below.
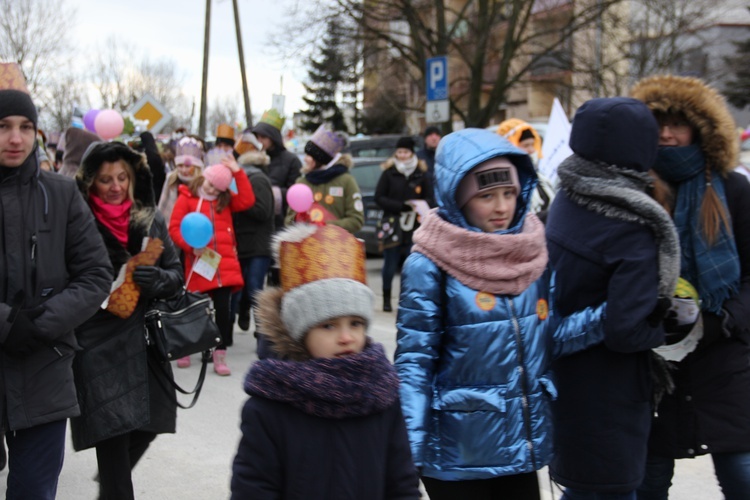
[219,175]
[495,172]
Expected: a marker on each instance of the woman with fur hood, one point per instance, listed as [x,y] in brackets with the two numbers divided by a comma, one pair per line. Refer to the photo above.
[336,195]
[124,404]
[709,410]
[323,421]
[405,177]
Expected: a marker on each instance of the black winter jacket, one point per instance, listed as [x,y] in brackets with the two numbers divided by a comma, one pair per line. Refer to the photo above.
[394,189]
[52,252]
[710,410]
[254,227]
[603,410]
[117,391]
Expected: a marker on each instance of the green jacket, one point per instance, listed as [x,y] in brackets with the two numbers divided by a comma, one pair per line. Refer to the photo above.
[340,196]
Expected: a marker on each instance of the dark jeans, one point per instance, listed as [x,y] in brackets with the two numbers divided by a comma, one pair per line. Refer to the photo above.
[732,471]
[35,459]
[254,270]
[116,458]
[392,258]
[515,487]
[571,494]
[222,298]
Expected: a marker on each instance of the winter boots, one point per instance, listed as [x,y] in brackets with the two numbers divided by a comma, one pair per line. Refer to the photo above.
[220,363]
[387,301]
[183,362]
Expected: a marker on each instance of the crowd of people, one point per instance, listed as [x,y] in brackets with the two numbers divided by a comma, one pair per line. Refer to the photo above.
[539,322]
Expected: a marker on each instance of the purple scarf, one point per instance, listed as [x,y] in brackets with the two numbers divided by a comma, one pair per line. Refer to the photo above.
[354,386]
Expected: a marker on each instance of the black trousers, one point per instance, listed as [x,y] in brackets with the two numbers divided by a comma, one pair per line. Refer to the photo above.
[116,458]
[222,298]
[515,487]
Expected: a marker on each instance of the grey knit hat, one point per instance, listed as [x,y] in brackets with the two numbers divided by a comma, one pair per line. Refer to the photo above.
[323,276]
[309,305]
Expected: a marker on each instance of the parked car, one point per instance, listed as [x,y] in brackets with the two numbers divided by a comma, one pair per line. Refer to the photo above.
[379,146]
[366,170]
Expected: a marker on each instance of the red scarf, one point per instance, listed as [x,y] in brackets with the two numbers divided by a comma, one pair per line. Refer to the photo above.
[116,218]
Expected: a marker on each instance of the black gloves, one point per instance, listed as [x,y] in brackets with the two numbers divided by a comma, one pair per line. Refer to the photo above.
[659,312]
[148,278]
[24,337]
[406,207]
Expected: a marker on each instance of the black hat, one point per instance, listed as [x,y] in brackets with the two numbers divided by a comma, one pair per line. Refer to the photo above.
[406,143]
[432,129]
[14,95]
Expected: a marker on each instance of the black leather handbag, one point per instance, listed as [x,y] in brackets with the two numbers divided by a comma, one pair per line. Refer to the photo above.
[178,327]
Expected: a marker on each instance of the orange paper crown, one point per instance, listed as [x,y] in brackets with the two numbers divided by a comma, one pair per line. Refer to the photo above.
[329,252]
[11,78]
[225,131]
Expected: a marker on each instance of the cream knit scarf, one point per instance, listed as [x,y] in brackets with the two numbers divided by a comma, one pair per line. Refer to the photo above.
[501,264]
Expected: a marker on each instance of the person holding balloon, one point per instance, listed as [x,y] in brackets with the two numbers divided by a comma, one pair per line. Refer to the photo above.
[336,198]
[188,163]
[201,225]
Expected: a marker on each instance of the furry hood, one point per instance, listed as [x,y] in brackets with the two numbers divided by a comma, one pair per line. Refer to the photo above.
[144,207]
[268,312]
[254,158]
[704,108]
[391,163]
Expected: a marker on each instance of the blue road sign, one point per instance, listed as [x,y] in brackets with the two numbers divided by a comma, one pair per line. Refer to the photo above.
[437,78]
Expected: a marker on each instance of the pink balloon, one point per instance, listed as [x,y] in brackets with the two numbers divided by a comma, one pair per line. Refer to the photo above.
[108,124]
[300,197]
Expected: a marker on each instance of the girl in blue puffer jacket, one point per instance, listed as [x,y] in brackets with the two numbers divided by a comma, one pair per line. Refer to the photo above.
[475,327]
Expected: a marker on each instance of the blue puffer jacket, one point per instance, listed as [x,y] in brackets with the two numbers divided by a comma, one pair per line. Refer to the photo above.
[476,386]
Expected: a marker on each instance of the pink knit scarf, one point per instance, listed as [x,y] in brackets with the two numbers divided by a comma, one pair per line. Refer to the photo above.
[501,264]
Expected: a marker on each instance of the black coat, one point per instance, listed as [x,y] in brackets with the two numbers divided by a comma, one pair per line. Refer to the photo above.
[117,392]
[51,251]
[603,411]
[254,227]
[287,454]
[710,409]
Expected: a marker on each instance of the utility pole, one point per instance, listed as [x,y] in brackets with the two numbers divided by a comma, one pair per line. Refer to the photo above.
[204,85]
[245,93]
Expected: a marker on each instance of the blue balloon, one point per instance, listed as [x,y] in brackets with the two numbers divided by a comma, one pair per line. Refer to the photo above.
[196,229]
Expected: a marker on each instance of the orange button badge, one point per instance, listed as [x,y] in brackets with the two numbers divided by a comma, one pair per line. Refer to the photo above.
[485,301]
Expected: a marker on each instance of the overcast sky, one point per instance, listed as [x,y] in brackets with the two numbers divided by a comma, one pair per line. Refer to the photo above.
[175,28]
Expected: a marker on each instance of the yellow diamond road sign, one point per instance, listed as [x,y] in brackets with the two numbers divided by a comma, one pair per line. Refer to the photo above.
[148,108]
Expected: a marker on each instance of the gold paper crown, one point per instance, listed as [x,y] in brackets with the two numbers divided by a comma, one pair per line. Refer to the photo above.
[273,118]
[11,78]
[329,252]
[225,131]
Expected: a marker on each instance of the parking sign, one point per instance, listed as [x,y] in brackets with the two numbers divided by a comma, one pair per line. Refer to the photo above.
[437,78]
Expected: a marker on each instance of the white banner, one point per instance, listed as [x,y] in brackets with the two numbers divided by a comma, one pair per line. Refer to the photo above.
[555,147]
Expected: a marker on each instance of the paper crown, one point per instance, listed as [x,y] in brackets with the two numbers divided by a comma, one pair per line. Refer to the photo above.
[309,253]
[11,78]
[330,142]
[247,142]
[189,149]
[273,118]
[224,131]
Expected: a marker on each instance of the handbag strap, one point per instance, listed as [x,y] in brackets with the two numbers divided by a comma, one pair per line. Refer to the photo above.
[158,369]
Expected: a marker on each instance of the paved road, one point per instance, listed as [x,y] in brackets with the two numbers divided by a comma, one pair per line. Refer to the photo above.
[195,463]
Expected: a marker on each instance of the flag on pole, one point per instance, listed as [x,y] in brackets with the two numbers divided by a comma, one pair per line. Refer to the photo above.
[555,148]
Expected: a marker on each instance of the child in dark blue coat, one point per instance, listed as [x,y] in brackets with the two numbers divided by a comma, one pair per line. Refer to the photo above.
[324,421]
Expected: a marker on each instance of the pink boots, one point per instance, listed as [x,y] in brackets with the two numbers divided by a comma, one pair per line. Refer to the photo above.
[183,362]
[220,363]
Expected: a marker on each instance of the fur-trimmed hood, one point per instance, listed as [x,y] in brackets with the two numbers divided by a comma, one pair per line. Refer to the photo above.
[703,107]
[254,158]
[268,312]
[391,163]
[143,210]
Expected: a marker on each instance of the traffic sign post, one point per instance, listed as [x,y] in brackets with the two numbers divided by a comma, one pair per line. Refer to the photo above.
[437,109]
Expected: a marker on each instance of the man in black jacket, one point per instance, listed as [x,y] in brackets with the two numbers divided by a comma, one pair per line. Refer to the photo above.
[54,274]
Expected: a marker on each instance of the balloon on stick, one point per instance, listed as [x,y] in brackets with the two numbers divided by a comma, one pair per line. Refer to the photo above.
[108,124]
[196,229]
[299,197]
[89,119]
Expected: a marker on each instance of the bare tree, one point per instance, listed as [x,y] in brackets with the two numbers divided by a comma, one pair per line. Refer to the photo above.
[121,84]
[225,110]
[65,92]
[33,33]
[493,45]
